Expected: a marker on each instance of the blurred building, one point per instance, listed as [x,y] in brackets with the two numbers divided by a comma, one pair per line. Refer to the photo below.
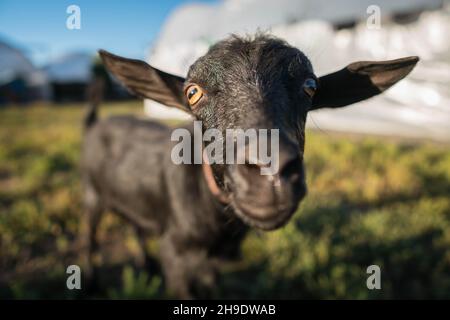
[20,81]
[70,76]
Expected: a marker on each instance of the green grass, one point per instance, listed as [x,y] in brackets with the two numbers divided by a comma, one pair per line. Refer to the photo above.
[371,201]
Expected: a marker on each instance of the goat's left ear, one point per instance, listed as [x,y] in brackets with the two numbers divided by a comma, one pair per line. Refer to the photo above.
[144,81]
[359,81]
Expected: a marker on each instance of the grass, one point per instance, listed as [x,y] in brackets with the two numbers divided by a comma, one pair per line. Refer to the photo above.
[371,201]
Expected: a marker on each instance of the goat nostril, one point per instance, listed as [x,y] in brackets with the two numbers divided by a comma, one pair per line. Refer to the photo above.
[292,170]
[249,170]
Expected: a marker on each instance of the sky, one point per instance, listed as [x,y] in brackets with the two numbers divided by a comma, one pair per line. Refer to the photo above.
[123,27]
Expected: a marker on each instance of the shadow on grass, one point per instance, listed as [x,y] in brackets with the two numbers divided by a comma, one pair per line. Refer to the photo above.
[325,259]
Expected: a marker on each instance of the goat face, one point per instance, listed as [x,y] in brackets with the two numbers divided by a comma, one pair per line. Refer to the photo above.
[259,83]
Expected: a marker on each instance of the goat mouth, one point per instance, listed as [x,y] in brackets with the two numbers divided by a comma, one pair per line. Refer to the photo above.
[264,218]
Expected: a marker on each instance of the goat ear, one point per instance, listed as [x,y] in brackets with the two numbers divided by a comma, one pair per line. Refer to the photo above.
[144,81]
[359,81]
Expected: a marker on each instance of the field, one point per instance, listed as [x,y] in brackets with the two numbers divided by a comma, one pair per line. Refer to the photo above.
[371,201]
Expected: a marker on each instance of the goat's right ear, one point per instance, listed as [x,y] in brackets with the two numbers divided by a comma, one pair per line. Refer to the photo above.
[144,81]
[359,81]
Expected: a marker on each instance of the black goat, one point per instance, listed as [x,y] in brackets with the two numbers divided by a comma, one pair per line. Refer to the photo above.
[202,212]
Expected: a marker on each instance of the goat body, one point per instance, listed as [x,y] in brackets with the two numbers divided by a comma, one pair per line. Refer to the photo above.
[127,169]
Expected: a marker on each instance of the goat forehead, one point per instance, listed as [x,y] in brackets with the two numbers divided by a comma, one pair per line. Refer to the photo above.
[240,60]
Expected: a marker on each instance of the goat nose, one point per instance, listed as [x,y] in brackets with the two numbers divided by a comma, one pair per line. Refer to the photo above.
[291,168]
[290,161]
[287,163]
[251,167]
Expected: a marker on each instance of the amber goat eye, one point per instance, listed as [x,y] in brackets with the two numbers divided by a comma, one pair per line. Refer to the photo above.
[310,87]
[194,93]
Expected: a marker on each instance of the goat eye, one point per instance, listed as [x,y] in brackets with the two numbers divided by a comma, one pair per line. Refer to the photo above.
[194,93]
[310,87]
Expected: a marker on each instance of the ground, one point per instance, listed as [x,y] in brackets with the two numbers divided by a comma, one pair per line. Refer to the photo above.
[371,201]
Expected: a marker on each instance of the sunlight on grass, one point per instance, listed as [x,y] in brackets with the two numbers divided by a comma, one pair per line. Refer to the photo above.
[371,201]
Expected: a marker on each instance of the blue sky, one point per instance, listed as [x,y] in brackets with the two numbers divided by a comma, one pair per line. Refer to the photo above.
[124,27]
